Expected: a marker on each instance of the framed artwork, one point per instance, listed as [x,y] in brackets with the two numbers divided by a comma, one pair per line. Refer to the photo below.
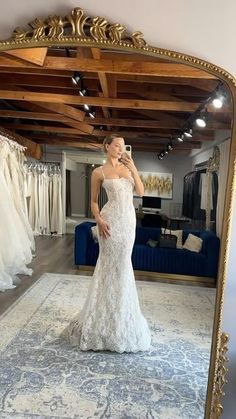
[157,184]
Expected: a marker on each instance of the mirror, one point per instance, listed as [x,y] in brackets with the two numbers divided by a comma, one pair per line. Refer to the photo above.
[60,101]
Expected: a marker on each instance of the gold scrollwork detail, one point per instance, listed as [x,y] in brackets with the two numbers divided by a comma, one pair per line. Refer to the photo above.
[213,165]
[77,25]
[77,20]
[98,28]
[115,32]
[78,28]
[220,381]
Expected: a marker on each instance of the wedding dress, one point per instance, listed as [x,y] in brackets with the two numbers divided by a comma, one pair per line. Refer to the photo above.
[111,318]
[15,251]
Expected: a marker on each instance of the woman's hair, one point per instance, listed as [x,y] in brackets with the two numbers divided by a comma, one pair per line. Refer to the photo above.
[109,139]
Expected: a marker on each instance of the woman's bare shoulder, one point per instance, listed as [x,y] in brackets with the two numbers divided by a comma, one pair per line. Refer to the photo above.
[97,172]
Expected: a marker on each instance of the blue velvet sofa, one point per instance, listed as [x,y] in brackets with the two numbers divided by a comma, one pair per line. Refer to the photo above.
[146,258]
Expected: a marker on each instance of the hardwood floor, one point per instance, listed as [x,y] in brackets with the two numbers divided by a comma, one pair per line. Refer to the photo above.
[53,254]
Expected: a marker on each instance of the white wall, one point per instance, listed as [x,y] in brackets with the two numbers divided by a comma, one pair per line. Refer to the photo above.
[177,165]
[205,29]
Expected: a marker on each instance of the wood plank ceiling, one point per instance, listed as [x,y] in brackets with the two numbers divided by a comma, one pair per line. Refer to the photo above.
[143,99]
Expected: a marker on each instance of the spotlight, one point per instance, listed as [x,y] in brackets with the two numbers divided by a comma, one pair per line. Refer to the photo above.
[188,133]
[218,102]
[169,147]
[201,121]
[83,92]
[76,78]
[166,151]
[161,155]
[92,114]
[86,107]
[180,138]
[93,165]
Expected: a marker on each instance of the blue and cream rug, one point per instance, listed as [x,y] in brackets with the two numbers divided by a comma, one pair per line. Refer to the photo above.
[41,376]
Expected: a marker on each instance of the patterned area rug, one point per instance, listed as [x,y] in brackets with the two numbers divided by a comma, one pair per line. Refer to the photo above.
[41,376]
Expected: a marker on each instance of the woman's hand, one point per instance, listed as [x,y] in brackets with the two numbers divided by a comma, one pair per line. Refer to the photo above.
[103,228]
[129,163]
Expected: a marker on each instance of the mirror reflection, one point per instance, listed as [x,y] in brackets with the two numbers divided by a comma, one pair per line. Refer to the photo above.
[57,105]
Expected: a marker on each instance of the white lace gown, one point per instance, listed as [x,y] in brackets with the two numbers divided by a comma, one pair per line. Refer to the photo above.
[111,318]
[15,245]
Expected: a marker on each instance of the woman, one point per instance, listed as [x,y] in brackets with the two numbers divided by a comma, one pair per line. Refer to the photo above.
[111,318]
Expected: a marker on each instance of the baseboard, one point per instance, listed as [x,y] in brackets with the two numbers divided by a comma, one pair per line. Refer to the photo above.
[78,215]
[164,277]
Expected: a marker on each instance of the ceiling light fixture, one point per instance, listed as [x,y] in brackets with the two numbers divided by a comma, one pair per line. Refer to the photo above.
[76,78]
[83,92]
[180,138]
[188,133]
[218,102]
[169,147]
[201,121]
[92,114]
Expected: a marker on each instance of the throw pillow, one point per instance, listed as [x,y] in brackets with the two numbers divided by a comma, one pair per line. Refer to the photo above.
[177,233]
[94,231]
[193,243]
[152,243]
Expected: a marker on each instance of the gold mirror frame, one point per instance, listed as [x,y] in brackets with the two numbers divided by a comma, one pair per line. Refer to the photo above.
[78,29]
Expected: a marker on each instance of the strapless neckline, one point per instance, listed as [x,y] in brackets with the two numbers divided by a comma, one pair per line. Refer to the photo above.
[117,178]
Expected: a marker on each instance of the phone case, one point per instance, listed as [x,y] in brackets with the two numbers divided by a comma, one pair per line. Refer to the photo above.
[129,150]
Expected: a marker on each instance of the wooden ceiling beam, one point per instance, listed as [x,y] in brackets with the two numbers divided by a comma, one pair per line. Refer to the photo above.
[41,128]
[144,123]
[142,140]
[114,66]
[169,89]
[42,80]
[53,99]
[119,122]
[72,115]
[39,71]
[43,116]
[68,111]
[136,147]
[75,143]
[207,85]
[96,54]
[31,55]
[205,136]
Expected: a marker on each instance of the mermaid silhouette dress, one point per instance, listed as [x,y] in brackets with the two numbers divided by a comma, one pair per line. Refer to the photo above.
[111,318]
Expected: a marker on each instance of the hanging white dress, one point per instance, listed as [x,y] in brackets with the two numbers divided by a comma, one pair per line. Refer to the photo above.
[111,318]
[57,214]
[18,195]
[15,250]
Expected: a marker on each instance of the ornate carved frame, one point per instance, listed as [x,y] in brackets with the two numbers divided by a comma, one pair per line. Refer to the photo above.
[78,29]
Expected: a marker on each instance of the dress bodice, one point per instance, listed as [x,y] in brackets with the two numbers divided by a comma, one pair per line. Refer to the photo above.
[119,192]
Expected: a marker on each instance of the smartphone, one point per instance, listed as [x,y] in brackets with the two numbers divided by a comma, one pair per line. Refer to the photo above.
[128,150]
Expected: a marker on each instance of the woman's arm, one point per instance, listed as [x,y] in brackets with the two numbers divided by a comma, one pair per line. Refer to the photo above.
[95,189]
[129,163]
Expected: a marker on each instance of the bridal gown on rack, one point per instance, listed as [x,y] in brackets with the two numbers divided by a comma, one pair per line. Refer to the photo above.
[15,251]
[111,318]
